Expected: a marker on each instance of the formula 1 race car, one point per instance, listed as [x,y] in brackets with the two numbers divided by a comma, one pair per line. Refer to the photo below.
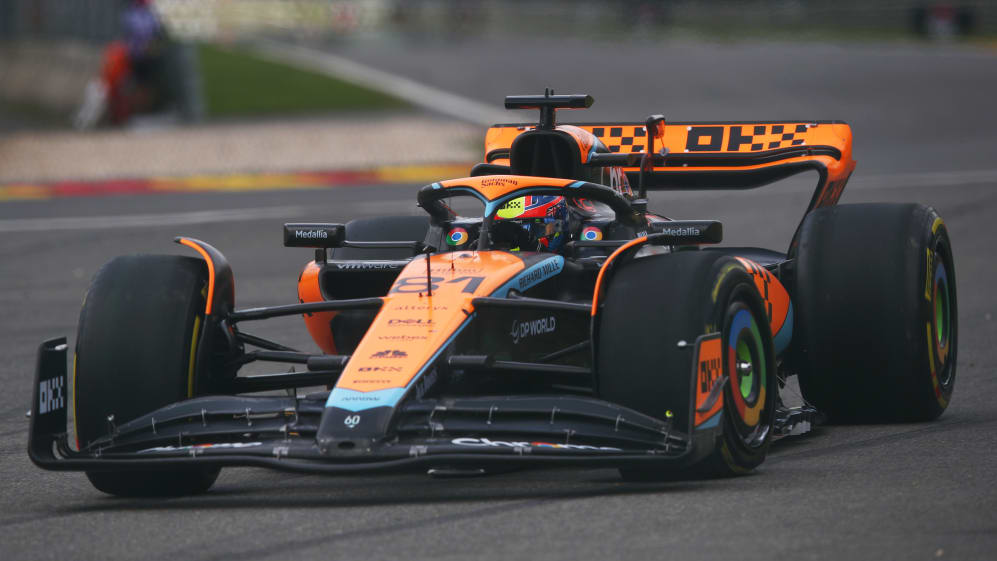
[563,325]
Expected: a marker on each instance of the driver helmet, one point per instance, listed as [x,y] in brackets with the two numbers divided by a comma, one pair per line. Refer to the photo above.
[545,217]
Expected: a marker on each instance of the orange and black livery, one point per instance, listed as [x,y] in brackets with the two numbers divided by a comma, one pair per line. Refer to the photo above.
[562,324]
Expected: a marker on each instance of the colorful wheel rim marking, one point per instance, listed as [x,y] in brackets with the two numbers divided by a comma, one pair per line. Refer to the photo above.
[746,367]
[941,298]
[591,234]
[457,236]
[746,375]
[942,315]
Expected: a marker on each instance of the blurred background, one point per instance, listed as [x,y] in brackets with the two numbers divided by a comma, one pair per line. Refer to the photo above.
[109,65]
[120,97]
[116,97]
[52,48]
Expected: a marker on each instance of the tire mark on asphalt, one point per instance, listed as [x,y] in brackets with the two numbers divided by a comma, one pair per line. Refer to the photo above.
[23,430]
[943,426]
[14,411]
[913,180]
[969,208]
[161,220]
[10,225]
[297,545]
[291,546]
[224,500]
[982,203]
[878,440]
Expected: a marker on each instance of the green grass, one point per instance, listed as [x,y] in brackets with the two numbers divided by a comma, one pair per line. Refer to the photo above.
[238,84]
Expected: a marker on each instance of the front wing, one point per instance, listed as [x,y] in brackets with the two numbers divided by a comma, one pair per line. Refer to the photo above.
[279,433]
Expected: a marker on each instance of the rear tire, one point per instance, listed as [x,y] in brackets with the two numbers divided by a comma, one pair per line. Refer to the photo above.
[134,353]
[653,303]
[877,312]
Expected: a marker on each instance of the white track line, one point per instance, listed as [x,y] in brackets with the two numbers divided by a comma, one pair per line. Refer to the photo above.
[43,224]
[422,95]
[938,179]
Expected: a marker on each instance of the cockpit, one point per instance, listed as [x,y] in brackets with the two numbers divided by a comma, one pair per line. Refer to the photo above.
[516,213]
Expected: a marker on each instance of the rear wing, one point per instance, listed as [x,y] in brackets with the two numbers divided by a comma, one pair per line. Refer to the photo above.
[719,155]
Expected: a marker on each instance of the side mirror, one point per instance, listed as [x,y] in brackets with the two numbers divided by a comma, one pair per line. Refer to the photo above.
[686,232]
[314,235]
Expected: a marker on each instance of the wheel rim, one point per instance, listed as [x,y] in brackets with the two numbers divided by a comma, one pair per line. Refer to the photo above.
[745,366]
[942,319]
[747,370]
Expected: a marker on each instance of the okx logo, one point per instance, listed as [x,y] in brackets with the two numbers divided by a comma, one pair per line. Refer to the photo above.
[51,395]
[709,372]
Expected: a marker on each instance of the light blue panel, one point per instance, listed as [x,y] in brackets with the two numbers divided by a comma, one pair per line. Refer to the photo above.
[785,335]
[352,400]
[358,401]
[536,274]
[713,422]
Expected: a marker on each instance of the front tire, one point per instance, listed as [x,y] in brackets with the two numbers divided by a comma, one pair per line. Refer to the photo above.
[653,303]
[135,349]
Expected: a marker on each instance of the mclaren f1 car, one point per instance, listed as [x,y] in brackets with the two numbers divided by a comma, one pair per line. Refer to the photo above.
[562,324]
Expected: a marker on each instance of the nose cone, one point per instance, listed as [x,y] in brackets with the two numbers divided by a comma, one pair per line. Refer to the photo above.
[410,332]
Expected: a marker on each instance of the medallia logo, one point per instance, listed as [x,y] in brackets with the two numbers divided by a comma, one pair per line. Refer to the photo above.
[683,231]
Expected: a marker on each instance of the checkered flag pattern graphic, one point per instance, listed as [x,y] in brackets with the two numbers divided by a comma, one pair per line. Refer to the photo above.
[709,138]
[626,139]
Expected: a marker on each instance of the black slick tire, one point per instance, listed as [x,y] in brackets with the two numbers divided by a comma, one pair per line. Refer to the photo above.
[134,346]
[653,303]
[877,312]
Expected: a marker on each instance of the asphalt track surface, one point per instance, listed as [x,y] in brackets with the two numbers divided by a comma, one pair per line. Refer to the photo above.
[907,491]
